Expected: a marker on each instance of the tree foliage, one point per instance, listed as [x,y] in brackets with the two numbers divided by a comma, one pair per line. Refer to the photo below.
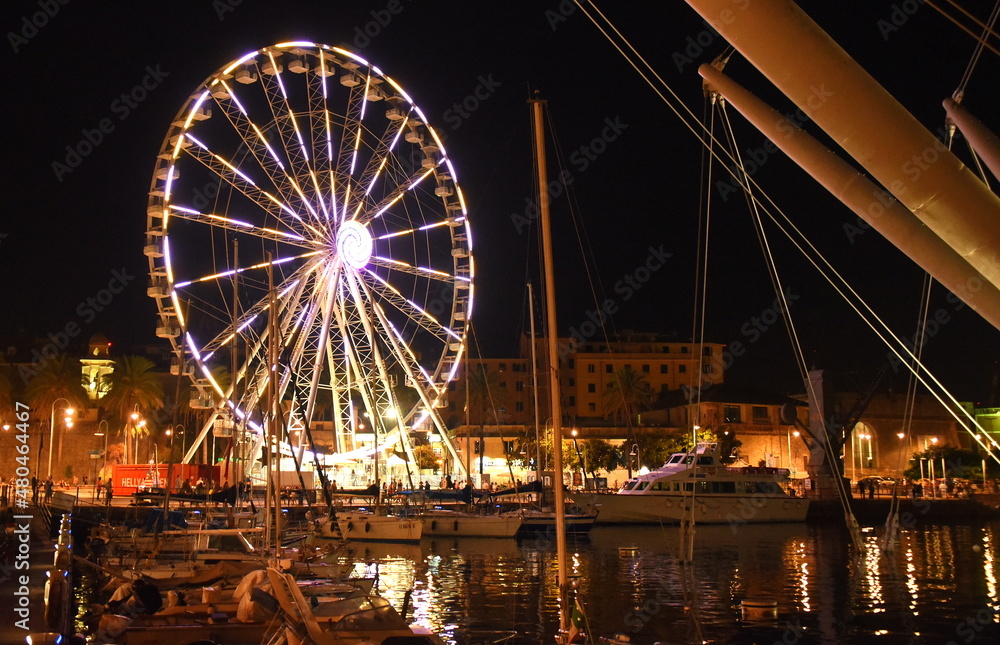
[628,394]
[133,387]
[959,463]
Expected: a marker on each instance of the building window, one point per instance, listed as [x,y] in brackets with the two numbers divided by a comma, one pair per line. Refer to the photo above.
[666,349]
[572,382]
[706,351]
[572,401]
[519,386]
[571,363]
[591,368]
[685,349]
[591,388]
[682,369]
[508,446]
[592,407]
[609,368]
[645,369]
[706,368]
[503,385]
[502,367]
[519,406]
[731,414]
[664,369]
[760,413]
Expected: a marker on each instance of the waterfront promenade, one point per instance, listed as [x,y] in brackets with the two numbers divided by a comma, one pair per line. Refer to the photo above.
[11,590]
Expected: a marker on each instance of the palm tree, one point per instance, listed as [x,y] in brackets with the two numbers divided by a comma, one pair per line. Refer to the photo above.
[629,392]
[485,397]
[132,388]
[58,378]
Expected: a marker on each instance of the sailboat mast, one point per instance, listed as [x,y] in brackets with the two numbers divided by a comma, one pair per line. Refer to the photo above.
[534,381]
[553,366]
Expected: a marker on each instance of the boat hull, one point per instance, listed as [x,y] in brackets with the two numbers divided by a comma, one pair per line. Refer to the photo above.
[615,508]
[541,522]
[468,525]
[367,527]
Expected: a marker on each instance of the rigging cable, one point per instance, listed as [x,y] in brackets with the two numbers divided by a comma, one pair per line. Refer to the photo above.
[987,29]
[779,290]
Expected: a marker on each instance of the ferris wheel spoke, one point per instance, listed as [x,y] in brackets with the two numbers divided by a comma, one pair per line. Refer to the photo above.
[405,267]
[240,226]
[350,142]
[229,173]
[267,157]
[253,312]
[377,164]
[380,290]
[398,193]
[302,171]
[256,267]
[403,352]
[321,135]
[414,231]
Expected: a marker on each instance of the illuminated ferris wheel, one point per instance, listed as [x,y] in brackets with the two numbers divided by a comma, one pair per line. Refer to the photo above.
[306,233]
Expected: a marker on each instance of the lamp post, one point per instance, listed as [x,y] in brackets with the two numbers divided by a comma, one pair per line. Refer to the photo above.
[52,427]
[791,464]
[579,458]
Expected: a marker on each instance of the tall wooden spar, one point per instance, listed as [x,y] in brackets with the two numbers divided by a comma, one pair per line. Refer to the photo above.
[553,362]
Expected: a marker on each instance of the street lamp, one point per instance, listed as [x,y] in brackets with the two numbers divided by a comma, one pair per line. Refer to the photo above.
[101,433]
[788,434]
[52,426]
[579,457]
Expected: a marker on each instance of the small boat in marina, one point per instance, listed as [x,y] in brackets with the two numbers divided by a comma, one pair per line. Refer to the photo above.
[698,481]
[446,522]
[362,525]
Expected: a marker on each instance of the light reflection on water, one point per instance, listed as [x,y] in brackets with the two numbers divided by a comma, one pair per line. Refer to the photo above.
[939,585]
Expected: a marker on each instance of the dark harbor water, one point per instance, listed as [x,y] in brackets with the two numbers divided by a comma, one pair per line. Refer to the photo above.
[940,585]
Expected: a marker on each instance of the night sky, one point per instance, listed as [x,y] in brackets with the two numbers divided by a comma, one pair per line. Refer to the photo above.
[67,231]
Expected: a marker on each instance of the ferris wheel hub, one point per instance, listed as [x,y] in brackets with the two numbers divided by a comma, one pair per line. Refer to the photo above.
[354,244]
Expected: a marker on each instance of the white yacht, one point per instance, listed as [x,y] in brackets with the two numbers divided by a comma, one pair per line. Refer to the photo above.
[698,481]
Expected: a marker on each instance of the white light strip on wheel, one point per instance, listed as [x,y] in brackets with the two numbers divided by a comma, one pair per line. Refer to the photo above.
[226,274]
[412,230]
[400,195]
[409,351]
[423,311]
[166,263]
[238,62]
[237,222]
